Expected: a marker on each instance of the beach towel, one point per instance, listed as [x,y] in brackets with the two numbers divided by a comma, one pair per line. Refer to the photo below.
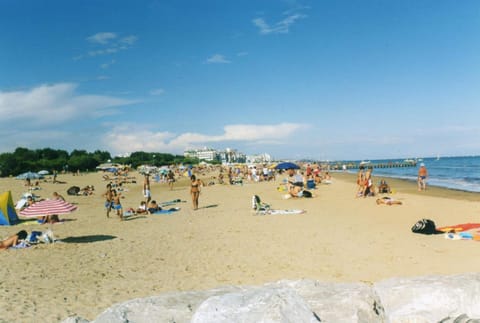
[22,245]
[169,211]
[167,203]
[21,203]
[280,212]
[459,227]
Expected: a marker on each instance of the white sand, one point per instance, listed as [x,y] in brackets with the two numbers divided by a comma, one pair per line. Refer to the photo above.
[339,238]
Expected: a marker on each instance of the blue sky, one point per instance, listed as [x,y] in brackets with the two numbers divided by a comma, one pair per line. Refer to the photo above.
[317,79]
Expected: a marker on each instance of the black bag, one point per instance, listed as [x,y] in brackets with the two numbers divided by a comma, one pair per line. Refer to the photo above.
[424,226]
[74,190]
[306,194]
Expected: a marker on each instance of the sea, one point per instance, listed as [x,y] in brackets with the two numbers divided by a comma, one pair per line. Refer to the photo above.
[460,173]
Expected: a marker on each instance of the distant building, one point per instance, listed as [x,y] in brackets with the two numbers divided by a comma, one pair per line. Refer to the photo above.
[230,156]
[227,156]
[259,159]
[205,153]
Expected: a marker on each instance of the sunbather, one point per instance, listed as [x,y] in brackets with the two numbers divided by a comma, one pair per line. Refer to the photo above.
[13,240]
[388,201]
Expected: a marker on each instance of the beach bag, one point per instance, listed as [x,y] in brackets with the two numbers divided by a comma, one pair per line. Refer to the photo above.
[307,194]
[74,190]
[424,226]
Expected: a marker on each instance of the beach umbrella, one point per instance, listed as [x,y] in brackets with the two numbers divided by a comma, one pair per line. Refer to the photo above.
[29,175]
[43,172]
[287,165]
[48,207]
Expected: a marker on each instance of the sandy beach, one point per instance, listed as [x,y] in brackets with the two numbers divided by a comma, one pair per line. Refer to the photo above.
[340,238]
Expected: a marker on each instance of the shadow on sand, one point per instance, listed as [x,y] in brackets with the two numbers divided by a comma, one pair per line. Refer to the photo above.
[208,206]
[88,239]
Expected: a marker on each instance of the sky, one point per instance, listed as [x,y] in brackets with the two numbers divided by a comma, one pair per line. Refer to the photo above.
[318,79]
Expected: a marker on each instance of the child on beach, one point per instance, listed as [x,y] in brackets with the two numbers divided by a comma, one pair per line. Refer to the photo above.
[117,205]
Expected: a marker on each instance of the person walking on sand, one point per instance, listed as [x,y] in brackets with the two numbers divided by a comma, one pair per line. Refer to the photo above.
[422,177]
[195,190]
[146,188]
[108,199]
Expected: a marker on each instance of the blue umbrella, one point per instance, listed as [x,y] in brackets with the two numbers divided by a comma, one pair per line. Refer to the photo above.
[287,165]
[29,175]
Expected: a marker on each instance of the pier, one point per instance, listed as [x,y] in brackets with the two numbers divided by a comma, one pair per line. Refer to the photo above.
[366,165]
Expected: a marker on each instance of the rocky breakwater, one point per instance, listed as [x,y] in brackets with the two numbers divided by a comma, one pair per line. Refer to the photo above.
[454,298]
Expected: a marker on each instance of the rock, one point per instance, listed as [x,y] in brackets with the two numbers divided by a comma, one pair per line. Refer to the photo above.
[172,307]
[75,319]
[445,299]
[263,305]
[430,298]
[340,302]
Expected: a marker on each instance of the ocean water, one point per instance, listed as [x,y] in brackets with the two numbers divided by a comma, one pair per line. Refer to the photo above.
[461,173]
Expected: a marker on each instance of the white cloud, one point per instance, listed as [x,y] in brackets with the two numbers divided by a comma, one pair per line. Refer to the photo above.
[107,43]
[129,40]
[53,104]
[108,64]
[281,27]
[149,140]
[102,38]
[217,59]
[158,91]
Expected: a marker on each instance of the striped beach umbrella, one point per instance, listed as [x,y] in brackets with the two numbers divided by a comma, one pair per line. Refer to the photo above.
[48,207]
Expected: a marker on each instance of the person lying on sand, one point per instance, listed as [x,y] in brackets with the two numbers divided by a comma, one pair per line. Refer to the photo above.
[388,201]
[13,240]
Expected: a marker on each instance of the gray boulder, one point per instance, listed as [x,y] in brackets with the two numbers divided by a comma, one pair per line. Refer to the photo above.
[340,302]
[172,307]
[430,298]
[263,305]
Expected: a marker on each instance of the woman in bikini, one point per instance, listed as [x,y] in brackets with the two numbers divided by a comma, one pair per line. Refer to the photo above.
[13,240]
[195,190]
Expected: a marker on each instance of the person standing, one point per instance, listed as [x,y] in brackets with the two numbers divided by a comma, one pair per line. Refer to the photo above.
[195,190]
[170,179]
[422,177]
[117,204]
[108,199]
[146,189]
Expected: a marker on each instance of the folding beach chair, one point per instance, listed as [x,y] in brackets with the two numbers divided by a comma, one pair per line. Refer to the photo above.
[258,205]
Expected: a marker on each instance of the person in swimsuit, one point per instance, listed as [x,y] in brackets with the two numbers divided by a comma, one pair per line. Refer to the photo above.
[117,205]
[195,190]
[388,201]
[108,199]
[13,240]
[170,179]
[146,189]
[422,177]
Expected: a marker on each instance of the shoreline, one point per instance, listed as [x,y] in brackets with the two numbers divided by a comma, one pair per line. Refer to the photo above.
[410,187]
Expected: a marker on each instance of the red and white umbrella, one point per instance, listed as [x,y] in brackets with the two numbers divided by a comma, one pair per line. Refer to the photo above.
[48,207]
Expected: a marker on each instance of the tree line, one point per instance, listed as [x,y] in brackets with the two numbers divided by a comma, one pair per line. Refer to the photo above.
[24,159]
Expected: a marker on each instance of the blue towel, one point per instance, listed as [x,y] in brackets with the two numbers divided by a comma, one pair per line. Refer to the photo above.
[169,211]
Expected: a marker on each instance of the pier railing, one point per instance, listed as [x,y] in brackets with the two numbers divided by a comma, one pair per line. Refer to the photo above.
[363,165]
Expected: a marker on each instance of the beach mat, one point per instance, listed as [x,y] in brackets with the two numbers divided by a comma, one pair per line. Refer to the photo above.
[281,212]
[164,212]
[459,227]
